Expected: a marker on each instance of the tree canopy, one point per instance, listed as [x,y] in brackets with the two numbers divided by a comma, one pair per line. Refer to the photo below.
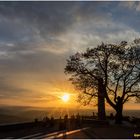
[117,65]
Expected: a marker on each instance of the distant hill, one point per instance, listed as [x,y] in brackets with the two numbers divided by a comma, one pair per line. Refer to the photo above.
[11,114]
[4,119]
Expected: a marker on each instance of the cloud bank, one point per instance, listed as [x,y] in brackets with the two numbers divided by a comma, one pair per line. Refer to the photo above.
[36,38]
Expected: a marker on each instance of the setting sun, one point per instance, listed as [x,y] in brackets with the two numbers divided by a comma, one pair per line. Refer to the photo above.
[65,97]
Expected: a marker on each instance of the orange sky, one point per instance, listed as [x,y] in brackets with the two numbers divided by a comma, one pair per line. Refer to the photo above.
[35,45]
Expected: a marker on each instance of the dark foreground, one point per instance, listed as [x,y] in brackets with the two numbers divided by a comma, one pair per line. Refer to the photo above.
[89,129]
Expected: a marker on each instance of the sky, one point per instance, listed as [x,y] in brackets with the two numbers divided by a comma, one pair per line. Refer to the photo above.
[36,38]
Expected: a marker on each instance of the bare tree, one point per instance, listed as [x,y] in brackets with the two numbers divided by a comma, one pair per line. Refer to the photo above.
[110,71]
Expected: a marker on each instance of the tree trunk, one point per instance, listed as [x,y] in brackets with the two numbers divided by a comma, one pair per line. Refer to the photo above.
[119,109]
[101,101]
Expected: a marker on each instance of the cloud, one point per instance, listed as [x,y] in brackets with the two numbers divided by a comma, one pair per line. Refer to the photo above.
[128,4]
[132,5]
[138,7]
[36,38]
[47,17]
[7,89]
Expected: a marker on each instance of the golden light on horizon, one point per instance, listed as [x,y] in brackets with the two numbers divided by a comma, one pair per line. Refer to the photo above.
[65,97]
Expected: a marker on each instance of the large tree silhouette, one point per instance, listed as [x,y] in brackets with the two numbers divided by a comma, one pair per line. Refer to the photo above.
[110,71]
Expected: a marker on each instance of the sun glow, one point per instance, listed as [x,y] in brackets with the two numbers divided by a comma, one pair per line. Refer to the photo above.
[65,97]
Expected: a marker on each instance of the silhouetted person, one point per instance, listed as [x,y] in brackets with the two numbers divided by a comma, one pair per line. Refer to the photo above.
[65,125]
[65,121]
[61,124]
[119,108]
[111,116]
[59,120]
[36,120]
[72,121]
[83,118]
[46,121]
[78,123]
[52,121]
[93,114]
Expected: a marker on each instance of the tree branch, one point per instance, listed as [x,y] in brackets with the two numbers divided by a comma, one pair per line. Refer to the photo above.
[90,94]
[108,99]
[131,86]
[116,88]
[132,95]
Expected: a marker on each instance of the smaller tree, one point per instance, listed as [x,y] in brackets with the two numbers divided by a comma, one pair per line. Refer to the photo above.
[86,81]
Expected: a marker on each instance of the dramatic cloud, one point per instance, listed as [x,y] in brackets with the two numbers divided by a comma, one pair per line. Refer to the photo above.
[36,38]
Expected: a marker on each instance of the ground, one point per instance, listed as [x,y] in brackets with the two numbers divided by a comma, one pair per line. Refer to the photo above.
[85,131]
